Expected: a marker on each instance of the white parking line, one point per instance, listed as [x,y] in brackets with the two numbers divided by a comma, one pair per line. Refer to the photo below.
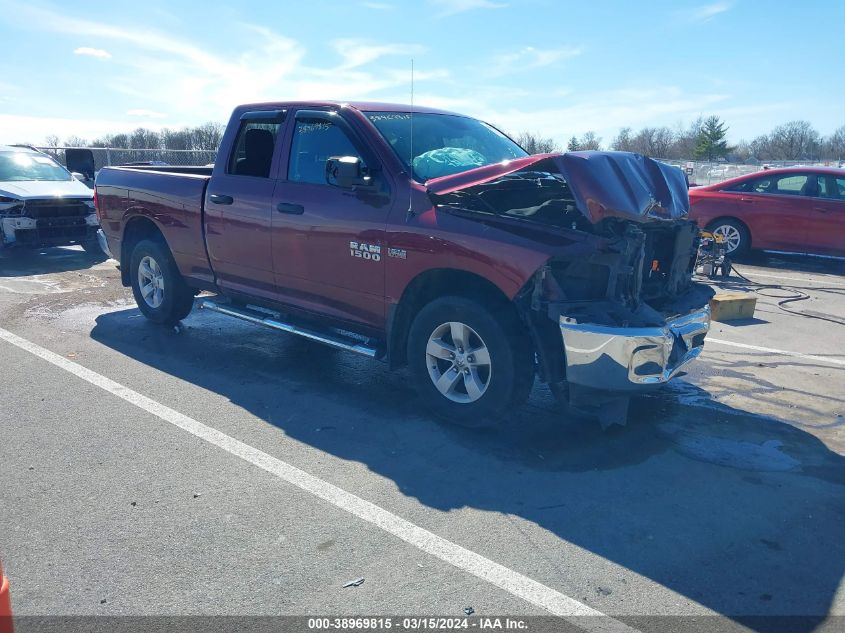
[772,350]
[507,579]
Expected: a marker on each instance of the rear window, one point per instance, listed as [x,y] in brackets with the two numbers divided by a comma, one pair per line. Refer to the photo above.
[254,146]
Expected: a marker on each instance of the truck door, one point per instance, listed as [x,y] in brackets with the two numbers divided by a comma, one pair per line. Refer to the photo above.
[238,207]
[328,242]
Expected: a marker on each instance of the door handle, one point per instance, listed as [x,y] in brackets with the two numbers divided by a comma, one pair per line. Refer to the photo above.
[820,209]
[292,209]
[747,200]
[218,198]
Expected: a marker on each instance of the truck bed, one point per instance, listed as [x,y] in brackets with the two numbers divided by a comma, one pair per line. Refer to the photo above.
[171,196]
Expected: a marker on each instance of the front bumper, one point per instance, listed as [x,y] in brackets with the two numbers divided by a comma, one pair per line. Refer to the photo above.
[631,358]
[35,232]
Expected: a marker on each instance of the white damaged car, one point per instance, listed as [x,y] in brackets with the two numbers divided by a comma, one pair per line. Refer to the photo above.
[43,204]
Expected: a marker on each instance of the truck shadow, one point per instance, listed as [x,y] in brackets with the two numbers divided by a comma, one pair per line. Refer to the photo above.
[739,513]
[25,263]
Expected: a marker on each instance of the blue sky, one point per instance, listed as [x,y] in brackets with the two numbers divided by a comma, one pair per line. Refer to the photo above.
[553,67]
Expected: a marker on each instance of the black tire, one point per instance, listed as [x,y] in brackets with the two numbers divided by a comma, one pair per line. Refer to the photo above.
[744,235]
[510,374]
[177,299]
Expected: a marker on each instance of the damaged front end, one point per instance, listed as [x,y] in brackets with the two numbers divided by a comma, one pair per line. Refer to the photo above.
[35,223]
[623,314]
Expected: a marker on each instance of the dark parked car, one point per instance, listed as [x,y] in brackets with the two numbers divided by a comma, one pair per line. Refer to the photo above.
[429,239]
[799,209]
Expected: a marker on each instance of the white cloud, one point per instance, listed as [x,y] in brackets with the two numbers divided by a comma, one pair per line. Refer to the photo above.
[361,52]
[92,52]
[168,73]
[530,57]
[453,7]
[147,114]
[707,12]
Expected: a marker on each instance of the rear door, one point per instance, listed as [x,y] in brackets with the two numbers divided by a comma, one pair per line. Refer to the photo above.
[776,208]
[238,207]
[827,233]
[328,242]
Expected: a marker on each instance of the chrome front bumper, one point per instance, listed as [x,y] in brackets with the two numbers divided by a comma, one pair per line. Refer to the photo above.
[629,358]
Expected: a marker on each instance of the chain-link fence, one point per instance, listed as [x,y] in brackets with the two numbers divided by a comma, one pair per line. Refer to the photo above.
[705,173]
[114,156]
[699,172]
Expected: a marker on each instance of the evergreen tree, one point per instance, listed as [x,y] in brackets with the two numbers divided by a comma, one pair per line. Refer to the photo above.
[711,142]
[573,145]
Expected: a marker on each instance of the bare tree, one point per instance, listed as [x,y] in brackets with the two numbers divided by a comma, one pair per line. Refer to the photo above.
[795,140]
[75,141]
[835,144]
[590,141]
[623,141]
[742,152]
[176,139]
[686,139]
[653,141]
[52,140]
[534,144]
[207,136]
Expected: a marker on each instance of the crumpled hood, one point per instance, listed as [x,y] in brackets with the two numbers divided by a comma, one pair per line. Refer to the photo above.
[604,184]
[38,189]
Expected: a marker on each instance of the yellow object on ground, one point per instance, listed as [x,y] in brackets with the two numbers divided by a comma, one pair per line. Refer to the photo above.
[731,306]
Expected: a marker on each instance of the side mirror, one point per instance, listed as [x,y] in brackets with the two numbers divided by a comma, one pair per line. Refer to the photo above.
[78,176]
[346,172]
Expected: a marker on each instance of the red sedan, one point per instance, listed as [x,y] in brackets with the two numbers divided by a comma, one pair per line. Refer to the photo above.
[800,209]
[5,604]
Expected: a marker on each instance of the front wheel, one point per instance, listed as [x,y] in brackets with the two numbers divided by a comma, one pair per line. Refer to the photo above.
[735,236]
[470,365]
[160,292]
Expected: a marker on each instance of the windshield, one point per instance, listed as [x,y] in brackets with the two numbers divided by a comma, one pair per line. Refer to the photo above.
[30,166]
[443,143]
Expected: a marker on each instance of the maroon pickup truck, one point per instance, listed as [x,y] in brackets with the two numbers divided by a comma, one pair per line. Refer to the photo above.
[428,239]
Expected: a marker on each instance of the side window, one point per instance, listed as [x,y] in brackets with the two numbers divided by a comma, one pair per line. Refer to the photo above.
[824,190]
[759,185]
[830,187]
[791,185]
[253,152]
[746,185]
[313,143]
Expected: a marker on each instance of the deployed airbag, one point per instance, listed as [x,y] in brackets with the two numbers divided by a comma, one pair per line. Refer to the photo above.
[445,161]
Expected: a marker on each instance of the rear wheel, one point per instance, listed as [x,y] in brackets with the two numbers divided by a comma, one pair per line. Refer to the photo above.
[470,365]
[160,292]
[734,234]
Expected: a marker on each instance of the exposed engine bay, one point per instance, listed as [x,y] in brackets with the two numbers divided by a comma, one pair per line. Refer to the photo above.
[622,267]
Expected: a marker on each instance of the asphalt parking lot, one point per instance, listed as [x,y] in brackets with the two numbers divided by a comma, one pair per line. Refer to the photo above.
[226,469]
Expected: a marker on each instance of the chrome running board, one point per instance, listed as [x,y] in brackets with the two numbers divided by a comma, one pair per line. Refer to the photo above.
[331,339]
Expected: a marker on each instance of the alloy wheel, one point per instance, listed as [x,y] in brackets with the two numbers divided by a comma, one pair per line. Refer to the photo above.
[730,235]
[458,362]
[151,281]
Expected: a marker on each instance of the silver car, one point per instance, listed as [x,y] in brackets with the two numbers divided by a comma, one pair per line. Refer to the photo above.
[43,204]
